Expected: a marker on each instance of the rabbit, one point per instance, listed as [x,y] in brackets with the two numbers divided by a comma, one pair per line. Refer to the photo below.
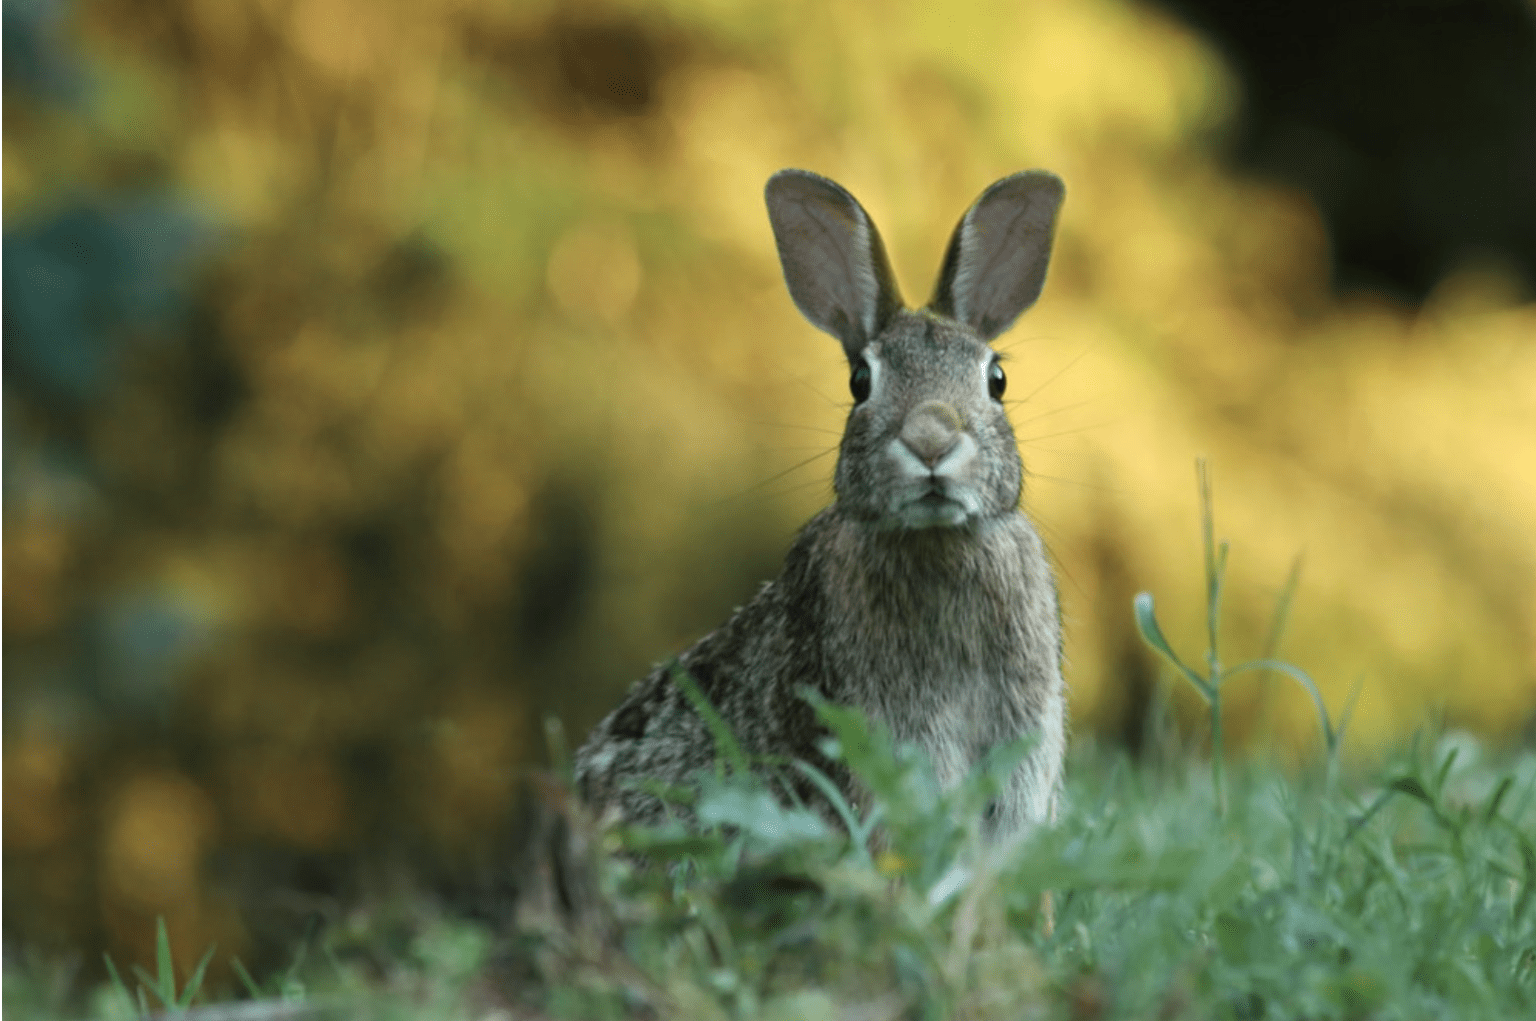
[922,595]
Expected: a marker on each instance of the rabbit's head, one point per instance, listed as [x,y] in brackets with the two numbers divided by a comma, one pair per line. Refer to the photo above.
[927,443]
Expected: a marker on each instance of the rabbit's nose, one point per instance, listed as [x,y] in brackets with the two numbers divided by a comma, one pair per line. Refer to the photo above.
[931,430]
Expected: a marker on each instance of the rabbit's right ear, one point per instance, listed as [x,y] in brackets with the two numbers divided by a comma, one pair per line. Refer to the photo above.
[834,262]
[995,266]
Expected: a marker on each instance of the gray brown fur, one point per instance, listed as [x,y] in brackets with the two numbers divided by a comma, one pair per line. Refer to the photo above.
[922,595]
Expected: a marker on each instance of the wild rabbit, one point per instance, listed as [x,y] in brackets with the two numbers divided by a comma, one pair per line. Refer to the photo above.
[922,596]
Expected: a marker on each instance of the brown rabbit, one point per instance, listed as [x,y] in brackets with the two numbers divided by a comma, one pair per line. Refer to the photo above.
[923,595]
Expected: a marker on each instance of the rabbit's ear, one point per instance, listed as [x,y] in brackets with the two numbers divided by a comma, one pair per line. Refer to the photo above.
[834,263]
[995,266]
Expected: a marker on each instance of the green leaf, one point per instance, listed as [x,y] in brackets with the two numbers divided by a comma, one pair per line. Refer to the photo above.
[992,771]
[866,748]
[1152,634]
[1412,787]
[1282,614]
[667,793]
[758,813]
[669,842]
[807,1005]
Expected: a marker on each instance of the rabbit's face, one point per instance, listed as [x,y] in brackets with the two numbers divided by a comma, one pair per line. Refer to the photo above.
[928,443]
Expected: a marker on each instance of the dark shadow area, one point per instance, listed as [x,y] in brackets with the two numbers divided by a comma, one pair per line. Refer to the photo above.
[1411,125]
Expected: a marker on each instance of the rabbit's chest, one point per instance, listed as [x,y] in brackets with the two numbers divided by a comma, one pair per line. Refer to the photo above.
[955,688]
[958,721]
[952,642]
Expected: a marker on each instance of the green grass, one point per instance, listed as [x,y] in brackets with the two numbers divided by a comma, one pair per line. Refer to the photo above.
[1187,888]
[1411,898]
[160,986]
[1406,892]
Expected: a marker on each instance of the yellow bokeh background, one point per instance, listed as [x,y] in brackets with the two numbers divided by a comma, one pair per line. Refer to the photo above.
[524,407]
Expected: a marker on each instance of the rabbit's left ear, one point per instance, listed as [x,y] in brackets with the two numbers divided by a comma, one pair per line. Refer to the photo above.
[995,266]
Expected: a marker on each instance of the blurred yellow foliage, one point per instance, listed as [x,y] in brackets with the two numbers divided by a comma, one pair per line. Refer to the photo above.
[495,395]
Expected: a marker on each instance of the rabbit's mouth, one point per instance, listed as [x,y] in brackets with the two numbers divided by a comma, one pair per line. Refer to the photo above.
[933,509]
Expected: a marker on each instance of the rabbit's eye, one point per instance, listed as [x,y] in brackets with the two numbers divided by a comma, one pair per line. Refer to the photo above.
[997,381]
[859,381]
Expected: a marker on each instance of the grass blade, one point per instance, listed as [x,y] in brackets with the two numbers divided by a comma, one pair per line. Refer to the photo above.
[117,983]
[245,978]
[148,981]
[1349,709]
[164,964]
[1492,811]
[725,741]
[1357,823]
[1301,677]
[1528,860]
[829,790]
[1214,568]
[1278,622]
[195,981]
[1282,615]
[1446,765]
[560,760]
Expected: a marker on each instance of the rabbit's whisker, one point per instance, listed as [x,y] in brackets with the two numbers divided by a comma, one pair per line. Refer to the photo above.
[841,405]
[1058,374]
[1074,482]
[797,487]
[806,428]
[758,486]
[1047,414]
[1026,338]
[1061,565]
[1064,432]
